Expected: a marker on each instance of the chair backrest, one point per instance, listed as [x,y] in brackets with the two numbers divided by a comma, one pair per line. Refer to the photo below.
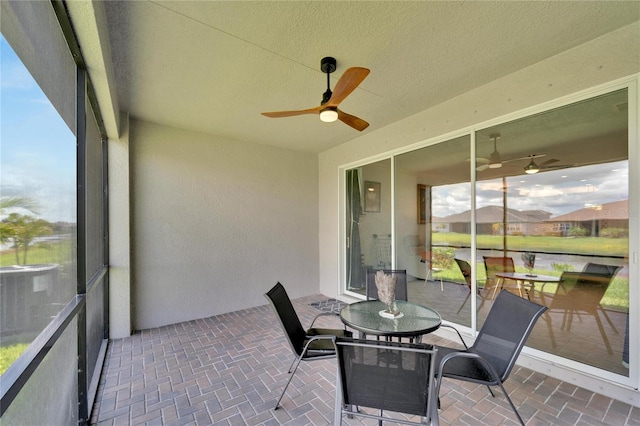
[497,264]
[505,331]
[401,283]
[391,376]
[288,317]
[580,291]
[465,268]
[608,271]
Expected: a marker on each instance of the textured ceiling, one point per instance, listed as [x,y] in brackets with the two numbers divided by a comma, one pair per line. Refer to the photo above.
[214,66]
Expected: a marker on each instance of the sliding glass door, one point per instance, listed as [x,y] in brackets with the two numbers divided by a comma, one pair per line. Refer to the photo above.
[560,200]
[544,198]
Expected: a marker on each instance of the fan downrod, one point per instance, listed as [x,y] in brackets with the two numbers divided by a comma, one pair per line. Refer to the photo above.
[327,65]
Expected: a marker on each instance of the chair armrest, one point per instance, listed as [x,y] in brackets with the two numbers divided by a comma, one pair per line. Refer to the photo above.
[458,333]
[462,354]
[326,314]
[311,339]
[471,355]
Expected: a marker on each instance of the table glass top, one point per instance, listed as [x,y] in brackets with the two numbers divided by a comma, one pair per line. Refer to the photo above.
[415,320]
[526,277]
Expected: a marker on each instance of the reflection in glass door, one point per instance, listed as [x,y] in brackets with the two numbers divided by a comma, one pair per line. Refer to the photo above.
[551,201]
[431,184]
[552,198]
[368,244]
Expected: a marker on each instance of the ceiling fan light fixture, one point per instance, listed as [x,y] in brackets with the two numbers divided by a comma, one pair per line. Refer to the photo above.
[531,168]
[329,114]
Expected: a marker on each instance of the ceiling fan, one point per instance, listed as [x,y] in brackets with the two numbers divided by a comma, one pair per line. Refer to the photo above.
[532,167]
[328,108]
[495,161]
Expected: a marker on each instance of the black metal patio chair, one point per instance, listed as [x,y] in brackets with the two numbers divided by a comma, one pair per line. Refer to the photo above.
[580,293]
[309,345]
[386,376]
[465,270]
[491,358]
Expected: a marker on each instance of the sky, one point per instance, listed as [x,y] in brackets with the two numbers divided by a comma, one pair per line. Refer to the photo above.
[37,149]
[555,191]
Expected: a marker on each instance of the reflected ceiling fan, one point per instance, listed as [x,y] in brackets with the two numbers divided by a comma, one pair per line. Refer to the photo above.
[328,108]
[533,168]
[495,161]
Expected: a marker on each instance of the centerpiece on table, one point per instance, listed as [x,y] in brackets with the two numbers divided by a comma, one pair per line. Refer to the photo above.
[529,259]
[386,285]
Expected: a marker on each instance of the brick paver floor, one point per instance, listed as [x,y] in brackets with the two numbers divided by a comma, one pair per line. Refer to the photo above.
[230,370]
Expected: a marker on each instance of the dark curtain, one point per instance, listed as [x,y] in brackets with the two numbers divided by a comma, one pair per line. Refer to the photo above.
[355,277]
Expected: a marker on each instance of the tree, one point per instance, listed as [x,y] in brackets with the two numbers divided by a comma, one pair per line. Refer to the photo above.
[21,230]
[23,202]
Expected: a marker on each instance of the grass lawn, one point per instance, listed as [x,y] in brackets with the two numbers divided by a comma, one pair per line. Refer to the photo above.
[53,252]
[8,354]
[617,296]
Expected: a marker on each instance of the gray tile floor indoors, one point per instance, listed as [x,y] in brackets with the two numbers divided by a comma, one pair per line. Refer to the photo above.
[230,369]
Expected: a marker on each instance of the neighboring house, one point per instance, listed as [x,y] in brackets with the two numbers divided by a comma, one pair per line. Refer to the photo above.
[537,222]
[490,221]
[593,218]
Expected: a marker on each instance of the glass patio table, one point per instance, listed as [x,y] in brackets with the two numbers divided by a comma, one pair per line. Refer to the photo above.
[529,280]
[414,319]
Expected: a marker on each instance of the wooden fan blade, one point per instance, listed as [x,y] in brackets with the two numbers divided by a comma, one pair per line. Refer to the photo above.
[279,114]
[353,121]
[351,78]
[482,168]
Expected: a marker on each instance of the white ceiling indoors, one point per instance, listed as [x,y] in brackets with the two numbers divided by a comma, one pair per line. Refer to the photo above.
[214,66]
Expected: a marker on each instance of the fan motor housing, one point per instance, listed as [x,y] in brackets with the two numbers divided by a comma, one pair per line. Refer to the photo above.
[328,64]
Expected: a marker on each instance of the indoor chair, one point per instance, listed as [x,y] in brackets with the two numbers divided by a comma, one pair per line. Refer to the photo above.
[465,269]
[500,264]
[581,293]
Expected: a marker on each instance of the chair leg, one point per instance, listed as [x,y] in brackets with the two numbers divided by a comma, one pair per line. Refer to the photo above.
[604,312]
[292,362]
[511,403]
[297,363]
[547,319]
[337,411]
[463,303]
[604,333]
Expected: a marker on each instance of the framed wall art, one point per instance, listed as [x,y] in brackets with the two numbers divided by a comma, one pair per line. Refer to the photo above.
[422,204]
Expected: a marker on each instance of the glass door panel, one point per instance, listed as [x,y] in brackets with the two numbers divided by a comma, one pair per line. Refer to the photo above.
[431,184]
[552,194]
[368,220]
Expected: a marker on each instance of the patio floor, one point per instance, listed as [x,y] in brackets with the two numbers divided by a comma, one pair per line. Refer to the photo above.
[230,370]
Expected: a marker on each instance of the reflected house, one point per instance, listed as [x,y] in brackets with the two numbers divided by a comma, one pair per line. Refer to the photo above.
[490,221]
[611,216]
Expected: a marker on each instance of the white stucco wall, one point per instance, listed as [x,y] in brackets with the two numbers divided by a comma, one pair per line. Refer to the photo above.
[120,312]
[610,57]
[216,223]
[613,56]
